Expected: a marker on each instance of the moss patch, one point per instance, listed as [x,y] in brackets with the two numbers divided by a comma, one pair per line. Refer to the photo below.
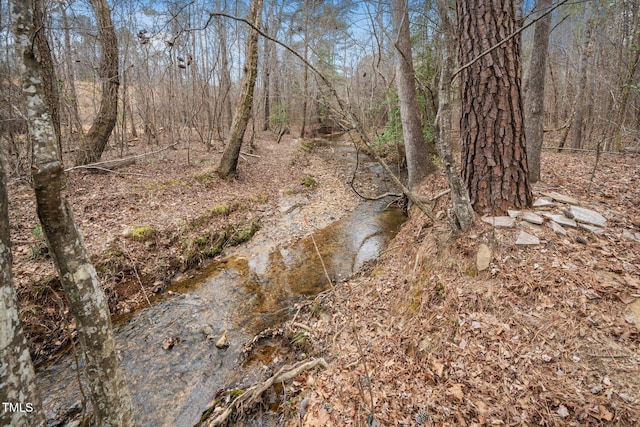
[144,233]
[309,182]
[244,232]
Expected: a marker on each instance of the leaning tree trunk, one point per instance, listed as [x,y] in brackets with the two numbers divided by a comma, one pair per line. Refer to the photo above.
[87,301]
[17,378]
[494,157]
[95,141]
[419,163]
[229,161]
[461,204]
[534,102]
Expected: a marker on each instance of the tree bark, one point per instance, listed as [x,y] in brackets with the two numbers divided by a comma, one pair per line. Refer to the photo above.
[534,102]
[494,158]
[229,161]
[419,163]
[578,118]
[17,377]
[461,204]
[95,141]
[111,401]
[73,111]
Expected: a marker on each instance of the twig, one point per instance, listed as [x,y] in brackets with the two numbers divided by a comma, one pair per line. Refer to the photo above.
[135,270]
[442,193]
[303,326]
[106,162]
[106,170]
[250,155]
[254,392]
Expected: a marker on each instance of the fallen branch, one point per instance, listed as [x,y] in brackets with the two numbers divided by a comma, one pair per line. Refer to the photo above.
[107,162]
[253,393]
[250,155]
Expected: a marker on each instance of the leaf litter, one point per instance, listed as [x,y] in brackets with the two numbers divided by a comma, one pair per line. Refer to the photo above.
[544,336]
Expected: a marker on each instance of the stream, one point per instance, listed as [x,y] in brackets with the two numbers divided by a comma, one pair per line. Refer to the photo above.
[254,287]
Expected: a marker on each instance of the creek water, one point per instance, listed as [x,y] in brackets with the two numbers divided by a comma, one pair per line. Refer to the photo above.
[253,288]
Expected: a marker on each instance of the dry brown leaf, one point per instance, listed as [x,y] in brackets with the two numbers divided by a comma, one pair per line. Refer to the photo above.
[456,391]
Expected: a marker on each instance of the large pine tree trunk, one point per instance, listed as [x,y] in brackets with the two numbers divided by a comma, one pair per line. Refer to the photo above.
[17,378]
[95,141]
[534,102]
[111,401]
[229,161]
[494,158]
[419,163]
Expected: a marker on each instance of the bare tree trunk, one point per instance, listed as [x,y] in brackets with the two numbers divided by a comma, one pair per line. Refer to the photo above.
[225,77]
[534,102]
[305,72]
[494,157]
[229,161]
[17,377]
[462,209]
[419,163]
[578,118]
[95,141]
[71,78]
[111,401]
[632,66]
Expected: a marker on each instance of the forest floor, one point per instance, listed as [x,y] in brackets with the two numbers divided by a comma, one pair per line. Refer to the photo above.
[548,334]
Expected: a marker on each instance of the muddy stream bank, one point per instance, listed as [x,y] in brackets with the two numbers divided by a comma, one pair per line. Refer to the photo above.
[251,288]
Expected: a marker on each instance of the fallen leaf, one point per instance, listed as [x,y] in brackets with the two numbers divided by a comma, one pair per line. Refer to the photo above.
[456,392]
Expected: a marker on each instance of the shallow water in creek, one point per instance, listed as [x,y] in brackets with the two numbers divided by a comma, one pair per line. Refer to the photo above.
[252,289]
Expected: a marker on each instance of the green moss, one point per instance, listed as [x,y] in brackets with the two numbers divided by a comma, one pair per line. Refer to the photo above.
[143,233]
[306,145]
[290,192]
[259,198]
[206,177]
[309,182]
[244,232]
[221,209]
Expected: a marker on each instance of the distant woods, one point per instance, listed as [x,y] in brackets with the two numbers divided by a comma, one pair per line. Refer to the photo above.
[151,74]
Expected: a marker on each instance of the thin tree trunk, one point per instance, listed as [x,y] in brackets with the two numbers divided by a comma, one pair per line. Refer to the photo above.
[111,401]
[494,157]
[225,77]
[95,141]
[305,72]
[71,78]
[460,201]
[534,101]
[578,118]
[17,377]
[419,163]
[229,161]
[632,66]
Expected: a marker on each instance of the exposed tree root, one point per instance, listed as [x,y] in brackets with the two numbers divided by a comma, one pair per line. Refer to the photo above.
[253,393]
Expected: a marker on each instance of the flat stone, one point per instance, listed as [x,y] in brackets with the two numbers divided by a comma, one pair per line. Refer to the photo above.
[514,214]
[591,228]
[626,234]
[527,239]
[561,219]
[543,202]
[588,216]
[500,221]
[557,228]
[483,257]
[562,198]
[533,218]
[531,226]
